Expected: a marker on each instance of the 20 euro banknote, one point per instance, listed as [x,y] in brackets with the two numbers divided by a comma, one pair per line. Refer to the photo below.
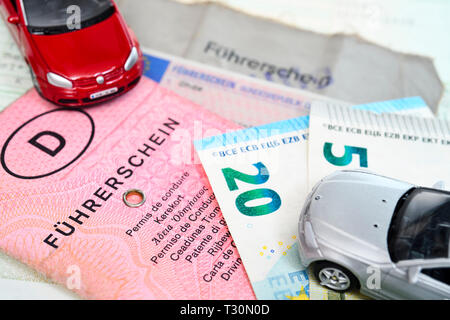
[259,176]
[411,149]
[64,173]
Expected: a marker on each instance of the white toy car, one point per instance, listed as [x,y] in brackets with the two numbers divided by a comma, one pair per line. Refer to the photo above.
[387,237]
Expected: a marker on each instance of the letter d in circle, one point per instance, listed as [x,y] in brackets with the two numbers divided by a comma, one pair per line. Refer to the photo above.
[51,152]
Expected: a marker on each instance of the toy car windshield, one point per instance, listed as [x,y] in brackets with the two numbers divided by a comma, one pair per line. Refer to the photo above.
[420,227]
[51,16]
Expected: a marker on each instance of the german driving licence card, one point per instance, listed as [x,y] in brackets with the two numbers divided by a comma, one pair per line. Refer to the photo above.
[111,202]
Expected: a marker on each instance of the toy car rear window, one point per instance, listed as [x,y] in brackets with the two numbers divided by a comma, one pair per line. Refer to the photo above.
[420,228]
[52,16]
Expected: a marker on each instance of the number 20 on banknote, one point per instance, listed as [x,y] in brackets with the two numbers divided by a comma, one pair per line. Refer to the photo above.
[348,156]
[258,193]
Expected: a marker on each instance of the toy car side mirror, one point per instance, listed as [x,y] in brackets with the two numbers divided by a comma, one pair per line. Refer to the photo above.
[413,274]
[14,20]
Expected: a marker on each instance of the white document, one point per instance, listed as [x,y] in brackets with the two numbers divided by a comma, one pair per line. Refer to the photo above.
[15,77]
[20,282]
[342,67]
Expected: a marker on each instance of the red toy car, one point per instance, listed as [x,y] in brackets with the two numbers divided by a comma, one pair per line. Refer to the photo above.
[80,52]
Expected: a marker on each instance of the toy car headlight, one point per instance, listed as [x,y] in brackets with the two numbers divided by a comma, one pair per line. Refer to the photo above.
[132,59]
[58,81]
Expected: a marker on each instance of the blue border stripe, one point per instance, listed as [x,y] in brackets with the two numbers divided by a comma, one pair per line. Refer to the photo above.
[156,67]
[255,133]
[393,105]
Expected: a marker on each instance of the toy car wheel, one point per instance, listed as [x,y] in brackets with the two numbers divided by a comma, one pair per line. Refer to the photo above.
[335,277]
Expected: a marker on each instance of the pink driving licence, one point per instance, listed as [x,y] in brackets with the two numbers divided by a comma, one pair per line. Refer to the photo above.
[115,195]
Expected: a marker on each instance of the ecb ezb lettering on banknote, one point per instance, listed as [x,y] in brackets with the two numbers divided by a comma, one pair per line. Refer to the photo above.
[64,173]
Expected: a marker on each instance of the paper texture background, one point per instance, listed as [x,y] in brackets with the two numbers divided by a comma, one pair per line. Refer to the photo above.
[409,26]
[341,67]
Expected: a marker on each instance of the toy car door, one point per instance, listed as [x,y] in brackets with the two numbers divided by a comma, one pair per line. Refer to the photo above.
[431,283]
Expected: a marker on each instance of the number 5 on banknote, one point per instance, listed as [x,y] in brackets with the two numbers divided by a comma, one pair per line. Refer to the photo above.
[244,198]
[347,158]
